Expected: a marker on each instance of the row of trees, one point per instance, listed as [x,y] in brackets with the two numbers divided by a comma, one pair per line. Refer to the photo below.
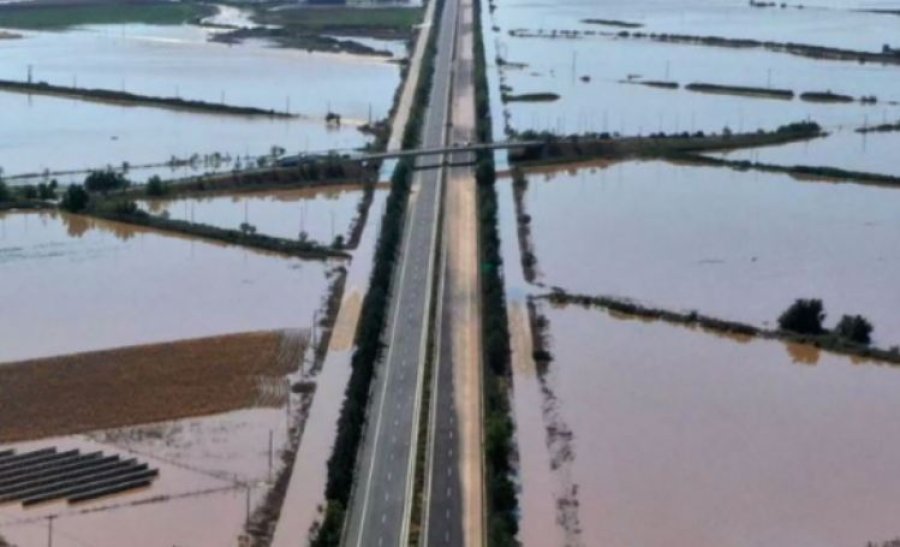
[43,191]
[806,316]
[499,445]
[372,321]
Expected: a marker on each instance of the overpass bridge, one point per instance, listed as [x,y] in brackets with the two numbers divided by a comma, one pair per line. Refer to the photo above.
[466,149]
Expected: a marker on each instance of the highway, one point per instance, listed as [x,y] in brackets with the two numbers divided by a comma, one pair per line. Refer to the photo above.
[454,504]
[381,504]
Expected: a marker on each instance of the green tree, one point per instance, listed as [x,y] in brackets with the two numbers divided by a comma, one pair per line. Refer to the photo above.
[805,316]
[5,194]
[855,328]
[75,199]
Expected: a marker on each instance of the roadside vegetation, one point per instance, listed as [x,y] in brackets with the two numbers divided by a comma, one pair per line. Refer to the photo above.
[502,503]
[61,16]
[373,318]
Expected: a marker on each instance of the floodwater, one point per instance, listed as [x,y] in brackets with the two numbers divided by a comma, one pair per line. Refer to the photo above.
[558,66]
[60,134]
[870,153]
[736,245]
[322,213]
[73,284]
[636,109]
[832,23]
[305,496]
[717,442]
[179,61]
[207,467]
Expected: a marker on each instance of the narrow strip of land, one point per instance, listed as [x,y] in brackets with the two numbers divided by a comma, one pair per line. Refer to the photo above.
[124,98]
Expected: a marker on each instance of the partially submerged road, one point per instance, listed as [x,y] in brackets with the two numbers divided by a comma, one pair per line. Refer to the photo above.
[381,505]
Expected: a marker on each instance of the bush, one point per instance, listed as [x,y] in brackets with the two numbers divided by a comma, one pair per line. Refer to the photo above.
[75,199]
[29,192]
[805,316]
[46,191]
[5,194]
[104,181]
[855,328]
[125,207]
[156,187]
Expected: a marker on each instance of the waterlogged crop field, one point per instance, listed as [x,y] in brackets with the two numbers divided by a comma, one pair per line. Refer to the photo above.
[624,421]
[321,214]
[593,62]
[179,61]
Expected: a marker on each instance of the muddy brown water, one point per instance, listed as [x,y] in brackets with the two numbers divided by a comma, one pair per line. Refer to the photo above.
[717,442]
[322,213]
[200,497]
[73,284]
[736,245]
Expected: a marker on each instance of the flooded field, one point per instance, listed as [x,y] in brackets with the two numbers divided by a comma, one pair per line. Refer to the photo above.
[581,70]
[635,109]
[740,246]
[714,441]
[321,213]
[213,473]
[832,23]
[96,284]
[869,153]
[59,134]
[179,61]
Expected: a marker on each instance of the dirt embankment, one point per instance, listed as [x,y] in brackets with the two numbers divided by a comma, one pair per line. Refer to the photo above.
[126,386]
[133,99]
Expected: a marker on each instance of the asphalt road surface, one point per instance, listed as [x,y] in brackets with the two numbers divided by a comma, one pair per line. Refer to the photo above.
[381,504]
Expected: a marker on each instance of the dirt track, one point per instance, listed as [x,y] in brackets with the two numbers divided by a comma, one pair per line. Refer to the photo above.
[127,386]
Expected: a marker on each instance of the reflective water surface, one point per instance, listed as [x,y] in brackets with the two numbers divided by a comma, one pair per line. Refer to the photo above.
[869,153]
[207,467]
[717,442]
[321,213]
[73,284]
[178,61]
[730,244]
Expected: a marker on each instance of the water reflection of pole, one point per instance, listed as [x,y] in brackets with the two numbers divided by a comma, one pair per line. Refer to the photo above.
[271,442]
[247,488]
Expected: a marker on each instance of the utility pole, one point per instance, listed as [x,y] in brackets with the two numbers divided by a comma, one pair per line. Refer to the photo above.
[50,530]
[30,71]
